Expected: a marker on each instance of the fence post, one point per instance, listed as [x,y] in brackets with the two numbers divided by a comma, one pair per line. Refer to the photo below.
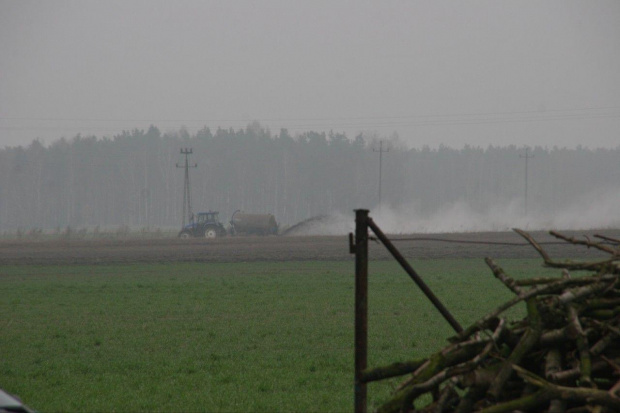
[361,306]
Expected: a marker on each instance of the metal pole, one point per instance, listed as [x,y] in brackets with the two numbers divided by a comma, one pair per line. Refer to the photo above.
[381,151]
[526,156]
[361,306]
[187,186]
[186,189]
[403,262]
[187,201]
[380,168]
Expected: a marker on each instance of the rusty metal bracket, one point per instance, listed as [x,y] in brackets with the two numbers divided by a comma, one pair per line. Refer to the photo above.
[414,276]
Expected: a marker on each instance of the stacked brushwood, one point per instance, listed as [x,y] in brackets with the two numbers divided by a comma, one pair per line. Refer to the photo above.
[563,357]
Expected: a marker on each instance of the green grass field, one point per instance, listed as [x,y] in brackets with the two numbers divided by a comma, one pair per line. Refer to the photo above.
[222,337]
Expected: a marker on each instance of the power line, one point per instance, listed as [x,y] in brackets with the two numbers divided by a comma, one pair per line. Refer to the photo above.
[336,123]
[525,112]
[372,125]
[506,243]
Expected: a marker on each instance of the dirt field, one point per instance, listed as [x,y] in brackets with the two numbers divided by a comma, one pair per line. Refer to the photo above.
[273,248]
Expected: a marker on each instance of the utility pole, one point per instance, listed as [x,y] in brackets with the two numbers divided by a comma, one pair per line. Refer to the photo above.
[381,151]
[526,156]
[146,193]
[187,201]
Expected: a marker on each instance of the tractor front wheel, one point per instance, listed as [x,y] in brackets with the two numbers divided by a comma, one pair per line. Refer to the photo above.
[185,235]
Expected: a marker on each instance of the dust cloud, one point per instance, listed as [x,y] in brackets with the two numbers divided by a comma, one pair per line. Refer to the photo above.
[599,209]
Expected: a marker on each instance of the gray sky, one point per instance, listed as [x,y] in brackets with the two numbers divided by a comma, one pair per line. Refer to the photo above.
[474,72]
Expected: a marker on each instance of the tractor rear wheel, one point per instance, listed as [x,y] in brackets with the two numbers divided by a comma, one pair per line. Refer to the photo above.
[210,233]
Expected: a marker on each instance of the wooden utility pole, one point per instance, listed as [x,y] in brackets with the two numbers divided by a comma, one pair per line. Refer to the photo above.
[526,156]
[187,201]
[381,151]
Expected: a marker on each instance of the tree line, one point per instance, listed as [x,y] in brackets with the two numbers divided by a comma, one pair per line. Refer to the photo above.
[131,179]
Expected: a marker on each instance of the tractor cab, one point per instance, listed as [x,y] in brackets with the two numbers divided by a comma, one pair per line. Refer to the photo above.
[208,217]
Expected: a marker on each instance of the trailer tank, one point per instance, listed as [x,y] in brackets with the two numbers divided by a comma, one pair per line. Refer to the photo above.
[258,224]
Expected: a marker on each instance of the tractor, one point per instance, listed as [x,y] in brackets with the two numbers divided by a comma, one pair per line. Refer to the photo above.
[205,224]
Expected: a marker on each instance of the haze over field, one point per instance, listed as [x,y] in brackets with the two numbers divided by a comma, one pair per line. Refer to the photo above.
[287,103]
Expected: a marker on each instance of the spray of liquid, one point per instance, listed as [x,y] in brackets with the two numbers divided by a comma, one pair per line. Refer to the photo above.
[597,210]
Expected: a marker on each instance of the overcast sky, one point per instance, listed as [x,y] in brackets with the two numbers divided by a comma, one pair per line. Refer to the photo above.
[467,72]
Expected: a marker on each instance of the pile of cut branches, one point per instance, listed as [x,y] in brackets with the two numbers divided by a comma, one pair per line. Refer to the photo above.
[563,357]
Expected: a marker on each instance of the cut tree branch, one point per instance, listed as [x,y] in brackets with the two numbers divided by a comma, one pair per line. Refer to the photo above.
[576,266]
[587,243]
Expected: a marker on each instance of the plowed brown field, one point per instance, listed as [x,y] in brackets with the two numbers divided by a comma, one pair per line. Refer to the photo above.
[274,248]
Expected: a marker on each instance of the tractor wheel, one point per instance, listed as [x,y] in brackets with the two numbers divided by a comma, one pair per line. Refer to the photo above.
[210,233]
[185,235]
